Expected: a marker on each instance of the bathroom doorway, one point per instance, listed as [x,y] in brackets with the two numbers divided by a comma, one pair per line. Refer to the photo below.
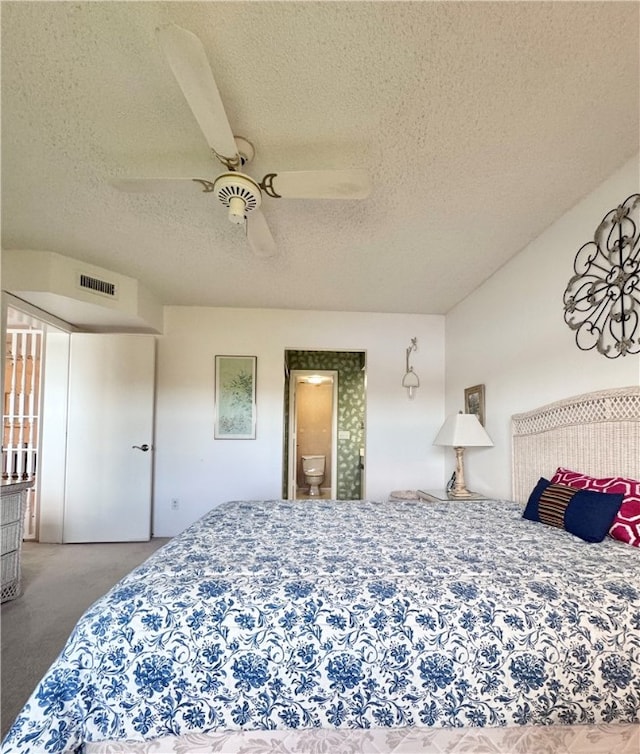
[313,422]
[348,441]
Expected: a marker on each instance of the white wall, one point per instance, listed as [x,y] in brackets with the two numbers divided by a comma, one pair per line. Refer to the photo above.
[202,472]
[510,335]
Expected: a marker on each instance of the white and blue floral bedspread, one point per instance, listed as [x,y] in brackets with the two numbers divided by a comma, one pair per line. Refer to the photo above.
[275,614]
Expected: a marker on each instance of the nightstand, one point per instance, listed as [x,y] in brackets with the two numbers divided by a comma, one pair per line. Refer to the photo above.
[441,496]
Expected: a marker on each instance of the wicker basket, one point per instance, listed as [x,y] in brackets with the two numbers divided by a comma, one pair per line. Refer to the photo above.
[10,575]
[11,540]
[11,508]
[11,537]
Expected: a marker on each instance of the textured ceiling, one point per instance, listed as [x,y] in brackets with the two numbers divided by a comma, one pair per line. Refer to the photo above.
[480,124]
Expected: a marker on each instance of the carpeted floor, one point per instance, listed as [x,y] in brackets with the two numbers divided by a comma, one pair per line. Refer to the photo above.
[59,582]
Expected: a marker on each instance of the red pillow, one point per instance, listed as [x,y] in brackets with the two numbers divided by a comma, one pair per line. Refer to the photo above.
[626,524]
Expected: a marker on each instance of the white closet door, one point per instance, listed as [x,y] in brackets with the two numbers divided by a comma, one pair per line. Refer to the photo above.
[111,403]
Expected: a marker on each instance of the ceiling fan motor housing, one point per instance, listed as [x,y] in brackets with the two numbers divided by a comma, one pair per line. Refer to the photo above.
[240,193]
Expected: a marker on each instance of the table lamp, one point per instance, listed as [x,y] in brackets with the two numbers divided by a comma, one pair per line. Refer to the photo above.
[459,432]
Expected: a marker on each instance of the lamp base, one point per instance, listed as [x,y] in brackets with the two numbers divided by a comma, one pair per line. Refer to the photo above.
[464,493]
[459,488]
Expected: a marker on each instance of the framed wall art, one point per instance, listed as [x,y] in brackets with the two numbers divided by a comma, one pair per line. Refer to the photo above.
[474,402]
[235,398]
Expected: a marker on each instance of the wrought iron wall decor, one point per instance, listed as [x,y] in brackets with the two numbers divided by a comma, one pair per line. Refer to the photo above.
[411,380]
[602,299]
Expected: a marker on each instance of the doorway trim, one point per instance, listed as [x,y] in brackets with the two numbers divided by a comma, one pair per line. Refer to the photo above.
[43,520]
[292,465]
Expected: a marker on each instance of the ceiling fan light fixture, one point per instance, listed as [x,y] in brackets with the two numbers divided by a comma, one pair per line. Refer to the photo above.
[235,190]
[237,210]
[239,193]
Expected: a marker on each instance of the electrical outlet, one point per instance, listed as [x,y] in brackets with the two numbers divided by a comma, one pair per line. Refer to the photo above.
[174,504]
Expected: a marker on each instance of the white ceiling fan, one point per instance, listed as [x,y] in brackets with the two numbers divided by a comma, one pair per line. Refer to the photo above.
[236,190]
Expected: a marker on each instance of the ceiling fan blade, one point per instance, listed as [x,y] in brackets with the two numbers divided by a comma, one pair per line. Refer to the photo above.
[190,66]
[258,235]
[163,185]
[318,184]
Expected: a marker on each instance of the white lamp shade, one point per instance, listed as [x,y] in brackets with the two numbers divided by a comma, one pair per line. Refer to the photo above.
[462,431]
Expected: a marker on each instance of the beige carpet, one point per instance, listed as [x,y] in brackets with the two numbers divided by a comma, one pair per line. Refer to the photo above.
[59,582]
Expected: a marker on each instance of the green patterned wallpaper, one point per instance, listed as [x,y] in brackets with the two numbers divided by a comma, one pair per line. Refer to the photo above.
[351,412]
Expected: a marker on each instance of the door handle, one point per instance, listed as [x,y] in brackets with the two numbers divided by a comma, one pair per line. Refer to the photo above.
[143,448]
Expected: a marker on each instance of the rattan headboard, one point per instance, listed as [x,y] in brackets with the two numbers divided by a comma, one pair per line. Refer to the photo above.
[595,433]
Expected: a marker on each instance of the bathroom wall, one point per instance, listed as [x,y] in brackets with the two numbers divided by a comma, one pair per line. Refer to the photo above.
[351,411]
[314,424]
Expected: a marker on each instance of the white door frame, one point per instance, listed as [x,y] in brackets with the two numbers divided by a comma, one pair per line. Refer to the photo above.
[293,429]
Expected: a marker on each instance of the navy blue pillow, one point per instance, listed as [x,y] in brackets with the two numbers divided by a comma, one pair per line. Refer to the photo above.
[585,513]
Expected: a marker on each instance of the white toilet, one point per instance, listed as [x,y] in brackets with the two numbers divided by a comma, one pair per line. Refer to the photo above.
[313,468]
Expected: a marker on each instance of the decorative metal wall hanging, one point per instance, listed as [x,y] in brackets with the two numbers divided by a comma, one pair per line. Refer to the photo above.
[411,380]
[602,299]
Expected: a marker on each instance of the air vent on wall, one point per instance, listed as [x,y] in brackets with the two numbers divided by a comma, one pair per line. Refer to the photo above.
[95,285]
[90,298]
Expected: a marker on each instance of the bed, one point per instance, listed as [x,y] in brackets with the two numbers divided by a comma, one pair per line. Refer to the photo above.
[363,626]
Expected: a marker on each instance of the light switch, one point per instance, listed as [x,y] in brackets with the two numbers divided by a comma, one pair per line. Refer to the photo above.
[344,434]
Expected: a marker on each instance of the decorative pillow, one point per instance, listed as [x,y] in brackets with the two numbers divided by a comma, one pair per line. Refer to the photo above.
[626,524]
[586,514]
